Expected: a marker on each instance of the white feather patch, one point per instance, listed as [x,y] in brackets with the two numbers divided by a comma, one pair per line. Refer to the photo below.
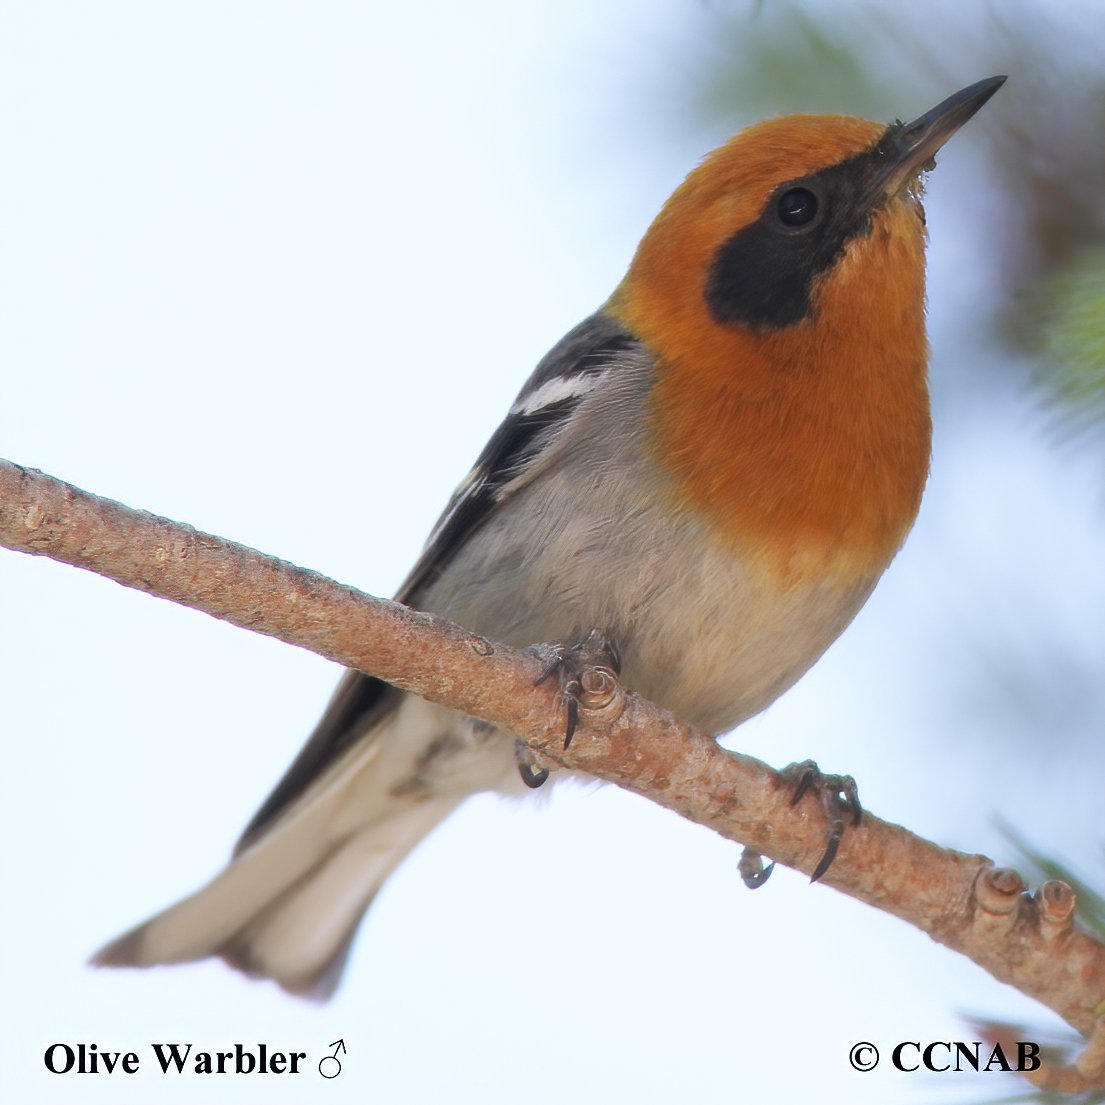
[555,391]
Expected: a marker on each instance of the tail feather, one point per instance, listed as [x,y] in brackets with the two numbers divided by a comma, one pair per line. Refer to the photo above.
[289,903]
[302,938]
[357,709]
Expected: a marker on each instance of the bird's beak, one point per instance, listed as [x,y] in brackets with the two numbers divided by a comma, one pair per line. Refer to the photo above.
[909,147]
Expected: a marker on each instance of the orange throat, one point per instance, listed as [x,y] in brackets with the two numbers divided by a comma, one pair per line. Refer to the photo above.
[805,447]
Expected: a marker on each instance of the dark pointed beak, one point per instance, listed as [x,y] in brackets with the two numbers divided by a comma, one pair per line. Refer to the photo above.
[909,147]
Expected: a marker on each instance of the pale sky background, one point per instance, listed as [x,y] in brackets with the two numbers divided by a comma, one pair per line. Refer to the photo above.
[277,270]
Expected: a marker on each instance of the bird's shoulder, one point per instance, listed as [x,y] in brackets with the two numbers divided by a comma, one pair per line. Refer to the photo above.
[576,369]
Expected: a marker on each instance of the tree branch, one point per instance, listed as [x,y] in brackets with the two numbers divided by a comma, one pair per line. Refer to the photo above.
[960,900]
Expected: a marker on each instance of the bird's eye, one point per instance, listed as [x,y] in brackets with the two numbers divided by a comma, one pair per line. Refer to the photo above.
[797,207]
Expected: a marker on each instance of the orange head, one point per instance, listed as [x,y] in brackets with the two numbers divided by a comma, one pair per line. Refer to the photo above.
[781,289]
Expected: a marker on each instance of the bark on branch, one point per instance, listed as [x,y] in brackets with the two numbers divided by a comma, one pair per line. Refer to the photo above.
[960,900]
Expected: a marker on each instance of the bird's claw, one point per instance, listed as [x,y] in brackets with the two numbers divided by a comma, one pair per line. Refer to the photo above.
[577,665]
[839,797]
[532,775]
[752,871]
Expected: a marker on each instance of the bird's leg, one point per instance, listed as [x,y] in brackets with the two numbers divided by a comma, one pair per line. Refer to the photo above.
[589,667]
[839,798]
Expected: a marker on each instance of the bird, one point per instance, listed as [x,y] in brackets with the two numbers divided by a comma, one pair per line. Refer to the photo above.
[702,482]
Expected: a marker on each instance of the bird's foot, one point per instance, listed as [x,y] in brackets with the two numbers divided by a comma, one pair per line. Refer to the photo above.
[753,873]
[532,775]
[839,798]
[588,672]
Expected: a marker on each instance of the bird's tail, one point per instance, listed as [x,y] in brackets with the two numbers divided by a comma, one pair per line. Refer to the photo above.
[288,904]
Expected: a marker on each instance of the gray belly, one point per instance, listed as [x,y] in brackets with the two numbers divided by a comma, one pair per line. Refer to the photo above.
[590,540]
[700,633]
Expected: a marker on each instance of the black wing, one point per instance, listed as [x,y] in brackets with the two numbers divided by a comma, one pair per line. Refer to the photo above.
[558,384]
